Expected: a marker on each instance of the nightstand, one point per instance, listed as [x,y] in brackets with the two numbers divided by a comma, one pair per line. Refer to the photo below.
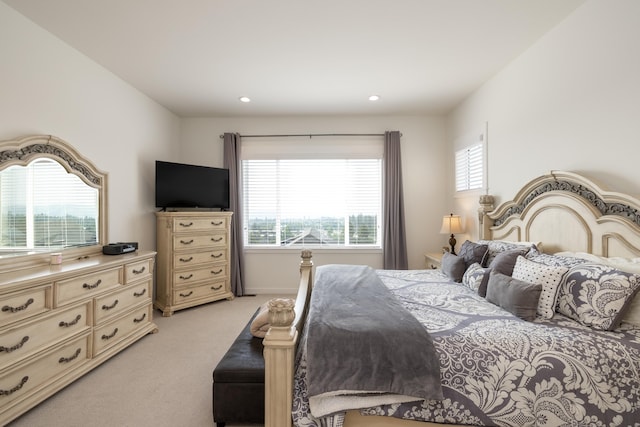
[433,259]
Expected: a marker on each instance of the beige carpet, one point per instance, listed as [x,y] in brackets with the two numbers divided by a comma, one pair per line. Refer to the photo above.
[162,380]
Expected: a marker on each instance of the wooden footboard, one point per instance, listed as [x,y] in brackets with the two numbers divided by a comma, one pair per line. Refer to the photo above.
[287,319]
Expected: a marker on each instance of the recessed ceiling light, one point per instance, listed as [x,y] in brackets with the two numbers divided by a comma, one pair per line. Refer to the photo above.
[374,97]
[244,99]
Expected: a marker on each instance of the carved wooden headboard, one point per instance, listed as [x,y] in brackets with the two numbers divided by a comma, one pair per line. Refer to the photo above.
[567,212]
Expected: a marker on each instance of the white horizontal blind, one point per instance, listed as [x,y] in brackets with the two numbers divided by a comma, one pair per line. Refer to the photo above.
[334,201]
[63,215]
[470,168]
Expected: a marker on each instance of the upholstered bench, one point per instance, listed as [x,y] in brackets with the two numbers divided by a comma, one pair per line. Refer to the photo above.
[238,381]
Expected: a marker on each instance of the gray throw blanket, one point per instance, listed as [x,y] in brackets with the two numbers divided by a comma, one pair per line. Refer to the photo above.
[362,343]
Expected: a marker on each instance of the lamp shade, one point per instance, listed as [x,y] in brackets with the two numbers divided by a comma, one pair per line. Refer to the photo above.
[451,224]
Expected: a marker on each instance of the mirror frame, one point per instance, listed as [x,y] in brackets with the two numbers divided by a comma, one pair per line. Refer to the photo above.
[23,150]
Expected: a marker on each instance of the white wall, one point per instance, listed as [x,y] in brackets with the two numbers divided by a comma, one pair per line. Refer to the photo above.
[46,87]
[423,148]
[570,102]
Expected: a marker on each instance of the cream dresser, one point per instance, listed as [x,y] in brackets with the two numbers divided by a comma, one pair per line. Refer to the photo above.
[193,259]
[58,322]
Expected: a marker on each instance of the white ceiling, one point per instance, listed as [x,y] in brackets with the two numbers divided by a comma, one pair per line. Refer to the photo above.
[197,57]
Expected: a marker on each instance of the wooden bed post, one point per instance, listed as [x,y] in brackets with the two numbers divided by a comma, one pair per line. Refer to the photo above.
[486,206]
[286,317]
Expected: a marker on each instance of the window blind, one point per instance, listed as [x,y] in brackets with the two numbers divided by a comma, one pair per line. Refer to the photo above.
[332,197]
[469,164]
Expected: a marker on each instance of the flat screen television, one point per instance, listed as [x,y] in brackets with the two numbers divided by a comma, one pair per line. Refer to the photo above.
[181,185]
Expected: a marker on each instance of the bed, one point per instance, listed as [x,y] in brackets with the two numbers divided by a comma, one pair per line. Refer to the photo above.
[570,357]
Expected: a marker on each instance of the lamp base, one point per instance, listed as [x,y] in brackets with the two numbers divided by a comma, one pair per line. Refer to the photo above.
[452,243]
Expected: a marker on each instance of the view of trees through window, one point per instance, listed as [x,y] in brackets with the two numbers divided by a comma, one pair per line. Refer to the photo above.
[326,202]
[363,230]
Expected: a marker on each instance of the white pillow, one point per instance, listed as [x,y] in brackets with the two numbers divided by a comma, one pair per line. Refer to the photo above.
[548,276]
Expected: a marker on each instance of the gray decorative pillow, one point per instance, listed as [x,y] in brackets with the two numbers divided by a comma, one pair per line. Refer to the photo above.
[453,266]
[504,262]
[597,295]
[497,246]
[548,276]
[476,278]
[517,297]
[473,253]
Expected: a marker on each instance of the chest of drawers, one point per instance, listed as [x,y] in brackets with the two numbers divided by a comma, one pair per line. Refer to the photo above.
[59,322]
[193,259]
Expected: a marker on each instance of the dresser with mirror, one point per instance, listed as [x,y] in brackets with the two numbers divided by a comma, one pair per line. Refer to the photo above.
[65,307]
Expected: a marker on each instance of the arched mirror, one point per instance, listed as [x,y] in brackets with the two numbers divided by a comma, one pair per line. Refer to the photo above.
[51,200]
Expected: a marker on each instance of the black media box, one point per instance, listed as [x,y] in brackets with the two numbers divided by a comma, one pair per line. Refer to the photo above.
[119,248]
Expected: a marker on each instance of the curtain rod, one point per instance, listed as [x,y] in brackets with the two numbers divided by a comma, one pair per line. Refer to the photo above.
[310,135]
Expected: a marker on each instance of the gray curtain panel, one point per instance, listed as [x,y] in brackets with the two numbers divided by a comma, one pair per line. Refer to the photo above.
[394,238]
[232,162]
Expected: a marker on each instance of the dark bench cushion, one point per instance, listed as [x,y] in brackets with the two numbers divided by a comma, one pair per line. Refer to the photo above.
[238,381]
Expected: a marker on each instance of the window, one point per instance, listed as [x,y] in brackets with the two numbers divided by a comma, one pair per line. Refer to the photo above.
[470,167]
[42,207]
[326,202]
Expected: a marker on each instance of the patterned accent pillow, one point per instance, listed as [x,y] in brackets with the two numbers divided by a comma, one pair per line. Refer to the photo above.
[597,295]
[497,246]
[473,252]
[548,276]
[476,278]
[556,260]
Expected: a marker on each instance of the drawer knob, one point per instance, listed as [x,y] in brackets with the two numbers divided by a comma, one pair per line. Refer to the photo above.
[216,255]
[186,295]
[16,388]
[109,307]
[18,308]
[140,319]
[70,358]
[95,285]
[216,239]
[216,288]
[216,272]
[73,322]
[142,270]
[139,294]
[186,277]
[186,259]
[186,242]
[182,224]
[15,347]
[216,223]
[108,337]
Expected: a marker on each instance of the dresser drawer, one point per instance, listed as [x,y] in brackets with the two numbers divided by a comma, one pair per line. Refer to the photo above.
[204,257]
[195,275]
[197,292]
[32,336]
[137,271]
[117,302]
[112,333]
[70,290]
[198,224]
[23,304]
[199,241]
[24,379]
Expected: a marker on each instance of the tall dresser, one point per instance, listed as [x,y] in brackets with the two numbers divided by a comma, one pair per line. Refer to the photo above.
[193,259]
[58,322]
